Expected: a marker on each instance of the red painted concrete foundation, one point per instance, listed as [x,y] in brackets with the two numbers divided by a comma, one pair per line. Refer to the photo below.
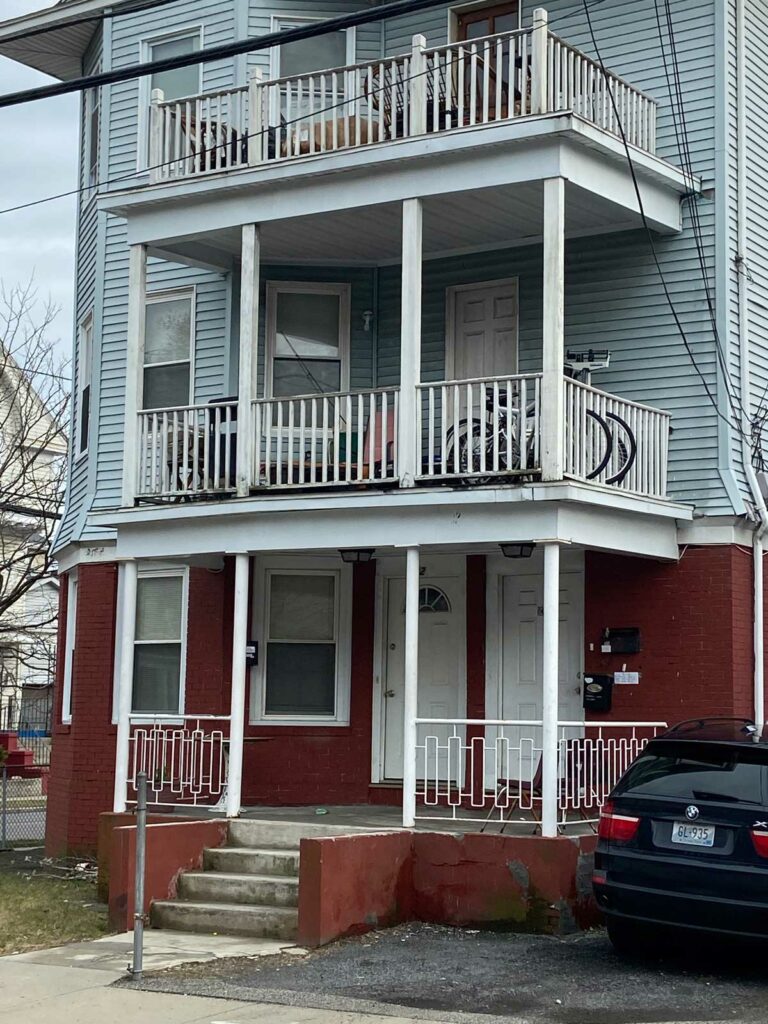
[172,848]
[353,884]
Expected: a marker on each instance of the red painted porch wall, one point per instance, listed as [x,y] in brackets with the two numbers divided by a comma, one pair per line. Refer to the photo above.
[83,753]
[695,619]
[322,764]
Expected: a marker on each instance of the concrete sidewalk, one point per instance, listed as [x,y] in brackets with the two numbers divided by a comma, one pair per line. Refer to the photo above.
[73,985]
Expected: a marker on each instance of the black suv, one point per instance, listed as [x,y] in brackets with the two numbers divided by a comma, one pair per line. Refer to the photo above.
[683,838]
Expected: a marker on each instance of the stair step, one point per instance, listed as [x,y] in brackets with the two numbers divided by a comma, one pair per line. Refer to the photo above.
[225,919]
[240,860]
[282,835]
[221,887]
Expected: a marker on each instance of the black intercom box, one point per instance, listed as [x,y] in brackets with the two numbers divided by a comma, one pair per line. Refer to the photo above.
[621,640]
[598,693]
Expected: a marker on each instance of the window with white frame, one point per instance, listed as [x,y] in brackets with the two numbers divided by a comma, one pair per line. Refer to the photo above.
[84,373]
[305,671]
[69,648]
[160,643]
[180,82]
[307,338]
[168,350]
[330,50]
[91,148]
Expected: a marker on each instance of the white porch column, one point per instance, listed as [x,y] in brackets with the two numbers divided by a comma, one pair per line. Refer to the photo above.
[248,364]
[549,780]
[553,338]
[127,628]
[237,713]
[134,367]
[411,677]
[410,342]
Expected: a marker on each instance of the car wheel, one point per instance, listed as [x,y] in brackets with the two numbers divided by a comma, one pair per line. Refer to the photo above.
[629,938]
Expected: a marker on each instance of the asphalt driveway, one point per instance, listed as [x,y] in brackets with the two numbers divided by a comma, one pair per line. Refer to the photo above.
[440,973]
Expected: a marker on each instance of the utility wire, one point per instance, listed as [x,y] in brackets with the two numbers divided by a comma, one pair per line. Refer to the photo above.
[87,19]
[679,120]
[636,184]
[277,129]
[214,53]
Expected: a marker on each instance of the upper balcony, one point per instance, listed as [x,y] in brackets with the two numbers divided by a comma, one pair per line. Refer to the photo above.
[500,79]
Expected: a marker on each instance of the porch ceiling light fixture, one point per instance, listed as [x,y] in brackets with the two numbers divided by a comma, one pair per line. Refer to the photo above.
[357,555]
[517,550]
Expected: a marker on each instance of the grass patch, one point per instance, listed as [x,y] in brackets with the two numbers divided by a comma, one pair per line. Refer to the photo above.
[38,912]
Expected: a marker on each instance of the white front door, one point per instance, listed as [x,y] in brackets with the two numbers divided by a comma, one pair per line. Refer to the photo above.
[485,330]
[522,653]
[441,660]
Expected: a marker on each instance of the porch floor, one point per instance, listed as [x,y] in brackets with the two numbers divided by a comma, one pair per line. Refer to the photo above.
[376,818]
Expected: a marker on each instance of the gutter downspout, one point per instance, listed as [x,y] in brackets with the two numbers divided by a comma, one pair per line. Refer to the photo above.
[744,359]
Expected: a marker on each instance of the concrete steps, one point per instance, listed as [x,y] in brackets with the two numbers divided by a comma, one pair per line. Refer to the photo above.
[249,887]
[220,887]
[226,919]
[243,860]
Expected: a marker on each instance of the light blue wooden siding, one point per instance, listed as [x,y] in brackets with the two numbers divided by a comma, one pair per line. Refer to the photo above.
[756,25]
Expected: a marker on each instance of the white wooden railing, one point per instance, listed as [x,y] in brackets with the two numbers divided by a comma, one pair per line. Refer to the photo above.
[490,771]
[576,82]
[479,428]
[185,758]
[198,135]
[478,82]
[611,441]
[326,440]
[187,451]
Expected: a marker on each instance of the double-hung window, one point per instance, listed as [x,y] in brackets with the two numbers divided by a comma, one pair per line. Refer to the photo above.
[69,648]
[168,350]
[160,643]
[178,84]
[307,57]
[84,373]
[307,339]
[303,674]
[91,148]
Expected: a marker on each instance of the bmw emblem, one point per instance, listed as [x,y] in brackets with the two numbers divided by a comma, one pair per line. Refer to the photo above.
[692,812]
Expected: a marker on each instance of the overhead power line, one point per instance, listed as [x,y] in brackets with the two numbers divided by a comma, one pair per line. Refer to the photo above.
[87,19]
[213,53]
[654,252]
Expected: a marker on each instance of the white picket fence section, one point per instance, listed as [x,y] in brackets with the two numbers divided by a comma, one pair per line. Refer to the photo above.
[484,427]
[612,441]
[489,770]
[577,82]
[345,438]
[429,90]
[186,451]
[185,759]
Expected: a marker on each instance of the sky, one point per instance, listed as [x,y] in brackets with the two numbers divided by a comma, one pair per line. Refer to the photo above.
[38,158]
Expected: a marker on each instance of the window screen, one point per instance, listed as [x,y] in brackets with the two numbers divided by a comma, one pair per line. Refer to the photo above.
[167,348]
[301,646]
[307,344]
[158,645]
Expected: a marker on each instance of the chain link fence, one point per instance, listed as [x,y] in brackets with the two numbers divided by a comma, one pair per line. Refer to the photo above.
[25,758]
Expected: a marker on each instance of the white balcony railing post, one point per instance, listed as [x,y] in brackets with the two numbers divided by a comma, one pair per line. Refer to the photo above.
[410,351]
[539,61]
[417,87]
[256,124]
[134,368]
[553,340]
[248,364]
[156,133]
[126,628]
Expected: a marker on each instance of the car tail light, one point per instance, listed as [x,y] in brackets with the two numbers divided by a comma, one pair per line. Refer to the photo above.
[760,842]
[617,828]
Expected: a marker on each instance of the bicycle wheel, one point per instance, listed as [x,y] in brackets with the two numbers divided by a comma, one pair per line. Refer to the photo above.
[464,453]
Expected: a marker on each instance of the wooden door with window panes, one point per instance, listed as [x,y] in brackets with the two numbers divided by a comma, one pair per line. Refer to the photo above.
[490,61]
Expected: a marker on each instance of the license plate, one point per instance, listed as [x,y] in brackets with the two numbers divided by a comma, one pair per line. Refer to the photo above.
[693,835]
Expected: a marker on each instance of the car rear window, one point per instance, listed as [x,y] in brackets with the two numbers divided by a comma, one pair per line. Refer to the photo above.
[721,774]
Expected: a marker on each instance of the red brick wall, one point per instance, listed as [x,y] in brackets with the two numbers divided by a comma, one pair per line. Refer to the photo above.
[695,619]
[306,765]
[83,753]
